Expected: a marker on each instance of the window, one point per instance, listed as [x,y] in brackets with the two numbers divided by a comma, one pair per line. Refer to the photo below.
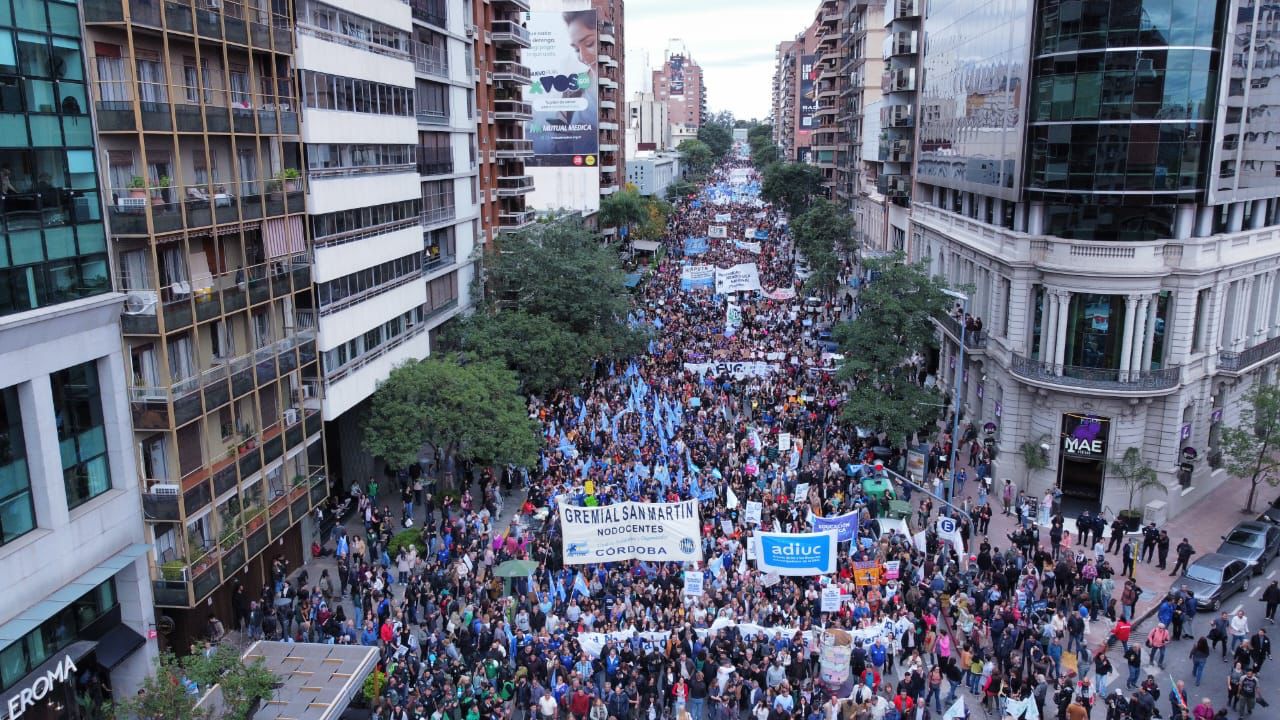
[17,513]
[350,287]
[332,92]
[26,653]
[329,159]
[77,406]
[355,220]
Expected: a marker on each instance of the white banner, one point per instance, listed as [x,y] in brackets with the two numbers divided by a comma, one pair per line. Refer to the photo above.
[796,554]
[717,231]
[693,277]
[724,217]
[744,276]
[753,511]
[751,247]
[629,531]
[784,442]
[736,370]
[693,582]
[830,599]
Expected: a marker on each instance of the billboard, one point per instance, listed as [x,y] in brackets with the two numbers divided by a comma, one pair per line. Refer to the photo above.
[677,75]
[563,96]
[808,90]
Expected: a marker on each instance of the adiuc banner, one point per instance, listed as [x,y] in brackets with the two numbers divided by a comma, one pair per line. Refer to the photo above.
[845,526]
[735,370]
[717,231]
[631,531]
[796,554]
[744,276]
[563,61]
[697,277]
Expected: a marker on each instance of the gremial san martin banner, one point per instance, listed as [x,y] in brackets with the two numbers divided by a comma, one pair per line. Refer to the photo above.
[631,530]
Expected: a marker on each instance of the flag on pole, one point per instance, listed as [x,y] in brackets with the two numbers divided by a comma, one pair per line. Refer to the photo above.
[580,585]
[958,711]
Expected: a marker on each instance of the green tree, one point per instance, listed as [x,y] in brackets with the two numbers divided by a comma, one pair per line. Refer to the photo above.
[824,225]
[760,132]
[764,155]
[791,185]
[1136,476]
[680,189]
[525,342]
[1249,449]
[622,209]
[654,225]
[696,156]
[166,696]
[472,410]
[893,325]
[718,138]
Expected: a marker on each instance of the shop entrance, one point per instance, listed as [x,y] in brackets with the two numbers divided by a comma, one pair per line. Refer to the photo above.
[1082,461]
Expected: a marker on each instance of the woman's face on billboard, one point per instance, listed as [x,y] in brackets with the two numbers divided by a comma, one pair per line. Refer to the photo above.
[582,35]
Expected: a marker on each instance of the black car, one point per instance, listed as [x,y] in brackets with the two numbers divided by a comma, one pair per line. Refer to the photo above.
[1272,513]
[1213,578]
[1257,543]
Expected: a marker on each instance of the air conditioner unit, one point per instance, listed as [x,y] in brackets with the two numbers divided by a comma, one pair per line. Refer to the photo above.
[291,416]
[133,202]
[141,302]
[165,489]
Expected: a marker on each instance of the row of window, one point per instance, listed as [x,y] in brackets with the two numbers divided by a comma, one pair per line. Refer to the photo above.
[345,221]
[323,91]
[1125,85]
[77,409]
[337,290]
[371,341]
[360,29]
[1143,157]
[1081,24]
[28,652]
[56,281]
[341,157]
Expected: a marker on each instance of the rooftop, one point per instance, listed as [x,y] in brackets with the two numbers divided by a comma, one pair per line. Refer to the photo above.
[316,681]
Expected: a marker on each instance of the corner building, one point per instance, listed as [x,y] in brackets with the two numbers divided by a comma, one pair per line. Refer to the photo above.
[72,548]
[198,117]
[1102,175]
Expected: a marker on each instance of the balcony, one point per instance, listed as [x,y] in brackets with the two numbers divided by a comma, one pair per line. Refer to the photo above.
[973,340]
[521,5]
[430,59]
[437,216]
[1096,379]
[1235,363]
[511,71]
[186,577]
[160,507]
[905,9]
[431,12]
[434,161]
[515,185]
[510,149]
[172,208]
[433,117]
[516,221]
[512,110]
[508,33]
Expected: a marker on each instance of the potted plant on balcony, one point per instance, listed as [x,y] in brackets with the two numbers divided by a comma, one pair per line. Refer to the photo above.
[137,187]
[290,177]
[158,192]
[171,570]
[1138,477]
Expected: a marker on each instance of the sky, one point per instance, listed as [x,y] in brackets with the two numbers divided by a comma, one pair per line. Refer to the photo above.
[732,40]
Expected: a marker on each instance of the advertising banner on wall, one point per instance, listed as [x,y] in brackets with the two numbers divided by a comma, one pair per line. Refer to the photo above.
[632,530]
[796,554]
[563,96]
[677,75]
[1085,436]
[808,91]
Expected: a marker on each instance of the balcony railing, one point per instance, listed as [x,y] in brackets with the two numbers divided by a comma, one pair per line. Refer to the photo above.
[973,339]
[1233,361]
[431,59]
[511,71]
[513,147]
[515,185]
[173,208]
[437,215]
[512,110]
[1095,378]
[514,221]
[433,117]
[509,32]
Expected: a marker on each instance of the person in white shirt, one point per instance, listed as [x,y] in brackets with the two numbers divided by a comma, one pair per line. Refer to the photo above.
[1239,629]
[547,706]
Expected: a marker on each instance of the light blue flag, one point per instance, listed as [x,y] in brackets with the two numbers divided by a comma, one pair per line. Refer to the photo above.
[580,585]
[695,488]
[582,411]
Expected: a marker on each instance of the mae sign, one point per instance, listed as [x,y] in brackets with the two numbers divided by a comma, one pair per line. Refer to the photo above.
[49,676]
[1085,436]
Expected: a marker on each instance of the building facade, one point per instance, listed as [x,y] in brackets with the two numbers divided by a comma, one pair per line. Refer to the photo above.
[678,85]
[197,109]
[78,602]
[1098,182]
[648,129]
[652,173]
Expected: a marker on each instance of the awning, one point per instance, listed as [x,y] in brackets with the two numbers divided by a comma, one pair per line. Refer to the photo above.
[646,245]
[631,280]
[117,644]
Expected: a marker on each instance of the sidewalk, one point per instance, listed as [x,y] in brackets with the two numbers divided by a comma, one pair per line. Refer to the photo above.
[1203,524]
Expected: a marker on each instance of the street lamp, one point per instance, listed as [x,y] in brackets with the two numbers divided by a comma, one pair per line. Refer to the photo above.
[955,421]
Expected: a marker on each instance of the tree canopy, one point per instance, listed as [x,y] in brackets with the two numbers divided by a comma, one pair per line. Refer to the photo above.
[718,138]
[1249,449]
[622,209]
[680,189]
[696,156]
[791,185]
[167,694]
[882,344]
[822,235]
[471,409]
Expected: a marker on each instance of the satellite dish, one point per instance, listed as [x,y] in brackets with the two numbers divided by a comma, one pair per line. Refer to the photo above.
[165,625]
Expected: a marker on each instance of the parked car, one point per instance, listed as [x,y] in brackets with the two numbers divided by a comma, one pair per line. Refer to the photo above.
[1257,543]
[812,304]
[1272,513]
[1213,578]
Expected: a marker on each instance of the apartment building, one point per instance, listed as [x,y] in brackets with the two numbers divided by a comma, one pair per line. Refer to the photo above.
[612,72]
[1106,184]
[796,101]
[197,108]
[502,112]
[72,547]
[678,85]
[648,129]
[783,96]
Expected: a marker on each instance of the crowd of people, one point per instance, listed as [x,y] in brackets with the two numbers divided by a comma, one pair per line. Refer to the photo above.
[737,412]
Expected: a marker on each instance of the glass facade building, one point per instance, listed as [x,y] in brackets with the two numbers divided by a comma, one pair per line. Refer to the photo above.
[17,512]
[1121,114]
[52,241]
